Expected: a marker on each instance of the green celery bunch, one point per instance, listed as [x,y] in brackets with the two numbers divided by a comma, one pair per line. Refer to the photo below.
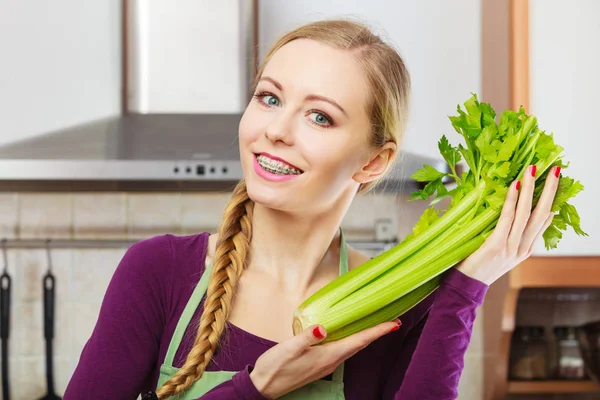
[497,154]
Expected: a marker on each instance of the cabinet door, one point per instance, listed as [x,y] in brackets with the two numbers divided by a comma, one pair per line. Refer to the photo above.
[439,41]
[564,88]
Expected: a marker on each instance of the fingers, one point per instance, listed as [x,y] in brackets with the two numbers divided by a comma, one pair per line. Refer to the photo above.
[542,210]
[351,345]
[313,335]
[523,211]
[539,234]
[507,216]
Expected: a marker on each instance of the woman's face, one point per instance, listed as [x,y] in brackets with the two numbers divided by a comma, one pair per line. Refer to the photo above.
[304,136]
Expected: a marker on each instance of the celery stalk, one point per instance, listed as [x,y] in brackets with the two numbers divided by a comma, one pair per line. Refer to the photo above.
[365,273]
[388,313]
[429,262]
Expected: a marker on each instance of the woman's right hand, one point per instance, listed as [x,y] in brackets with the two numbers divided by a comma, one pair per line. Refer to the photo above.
[296,361]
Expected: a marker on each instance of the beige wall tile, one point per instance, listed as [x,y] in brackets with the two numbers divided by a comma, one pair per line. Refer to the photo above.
[9,215]
[100,216]
[471,381]
[153,214]
[32,266]
[15,319]
[202,212]
[64,368]
[92,272]
[31,329]
[14,367]
[31,333]
[83,325]
[29,379]
[45,215]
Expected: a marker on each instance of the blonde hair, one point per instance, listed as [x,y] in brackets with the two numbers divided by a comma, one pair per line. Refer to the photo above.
[387,108]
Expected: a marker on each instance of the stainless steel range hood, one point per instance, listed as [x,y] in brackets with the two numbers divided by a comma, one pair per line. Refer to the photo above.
[165,140]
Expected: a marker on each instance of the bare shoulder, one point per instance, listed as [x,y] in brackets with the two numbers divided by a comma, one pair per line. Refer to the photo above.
[356,258]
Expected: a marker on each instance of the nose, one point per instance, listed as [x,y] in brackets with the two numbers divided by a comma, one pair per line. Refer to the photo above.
[280,129]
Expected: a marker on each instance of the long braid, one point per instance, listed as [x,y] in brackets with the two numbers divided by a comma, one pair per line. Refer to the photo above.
[230,258]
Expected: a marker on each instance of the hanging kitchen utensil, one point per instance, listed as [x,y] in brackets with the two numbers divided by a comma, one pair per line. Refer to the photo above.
[5,321]
[48,284]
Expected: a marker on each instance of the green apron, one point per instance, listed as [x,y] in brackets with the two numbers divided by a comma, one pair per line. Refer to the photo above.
[320,389]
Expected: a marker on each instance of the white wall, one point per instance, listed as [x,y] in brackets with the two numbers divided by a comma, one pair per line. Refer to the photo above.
[565,87]
[59,66]
[439,41]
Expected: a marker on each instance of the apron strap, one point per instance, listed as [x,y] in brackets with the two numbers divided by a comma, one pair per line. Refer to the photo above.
[343,254]
[338,374]
[186,316]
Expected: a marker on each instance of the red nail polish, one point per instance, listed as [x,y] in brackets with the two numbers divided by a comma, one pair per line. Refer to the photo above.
[317,333]
[533,168]
[557,172]
[518,185]
[395,328]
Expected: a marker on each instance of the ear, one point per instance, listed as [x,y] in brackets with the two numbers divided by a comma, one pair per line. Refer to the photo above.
[377,163]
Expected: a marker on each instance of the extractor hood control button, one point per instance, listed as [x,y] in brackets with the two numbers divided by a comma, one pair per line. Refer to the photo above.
[200,170]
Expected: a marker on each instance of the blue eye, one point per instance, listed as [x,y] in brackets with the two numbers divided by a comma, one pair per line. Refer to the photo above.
[321,119]
[272,101]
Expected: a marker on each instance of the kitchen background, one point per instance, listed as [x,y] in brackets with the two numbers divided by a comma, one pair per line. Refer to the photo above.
[62,67]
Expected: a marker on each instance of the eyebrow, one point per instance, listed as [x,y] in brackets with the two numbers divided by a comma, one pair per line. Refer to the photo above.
[309,97]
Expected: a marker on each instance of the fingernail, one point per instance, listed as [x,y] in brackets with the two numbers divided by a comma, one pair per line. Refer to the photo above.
[557,172]
[395,328]
[518,185]
[533,168]
[317,333]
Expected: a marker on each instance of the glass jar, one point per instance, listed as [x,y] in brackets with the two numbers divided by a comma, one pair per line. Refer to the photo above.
[569,362]
[529,354]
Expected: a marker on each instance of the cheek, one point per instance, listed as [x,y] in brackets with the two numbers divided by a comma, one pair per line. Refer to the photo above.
[251,125]
[332,161]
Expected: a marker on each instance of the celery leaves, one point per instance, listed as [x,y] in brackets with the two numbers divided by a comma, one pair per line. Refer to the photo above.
[498,153]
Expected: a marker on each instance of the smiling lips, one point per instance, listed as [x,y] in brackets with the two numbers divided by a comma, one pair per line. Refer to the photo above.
[274,169]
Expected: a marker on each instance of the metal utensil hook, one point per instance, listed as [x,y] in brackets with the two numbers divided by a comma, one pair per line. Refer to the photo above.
[5,256]
[49,255]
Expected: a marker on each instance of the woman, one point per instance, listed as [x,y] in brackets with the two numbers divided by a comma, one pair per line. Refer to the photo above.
[329,107]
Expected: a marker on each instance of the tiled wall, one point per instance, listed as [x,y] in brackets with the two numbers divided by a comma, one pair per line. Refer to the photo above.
[82,275]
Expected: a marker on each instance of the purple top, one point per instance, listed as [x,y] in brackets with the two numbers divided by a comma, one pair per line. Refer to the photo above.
[155,279]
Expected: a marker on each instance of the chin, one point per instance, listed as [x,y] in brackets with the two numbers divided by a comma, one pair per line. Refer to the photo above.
[267,195]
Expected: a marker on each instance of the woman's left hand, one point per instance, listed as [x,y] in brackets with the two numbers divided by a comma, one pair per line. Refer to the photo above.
[517,231]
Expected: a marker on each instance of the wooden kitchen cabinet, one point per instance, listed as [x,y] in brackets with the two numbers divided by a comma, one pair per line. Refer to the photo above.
[551,72]
[538,272]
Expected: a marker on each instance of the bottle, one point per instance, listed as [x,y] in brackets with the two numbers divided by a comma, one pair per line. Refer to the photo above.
[529,354]
[569,361]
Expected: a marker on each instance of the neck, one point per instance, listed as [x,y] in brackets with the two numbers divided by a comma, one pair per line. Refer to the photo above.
[296,250]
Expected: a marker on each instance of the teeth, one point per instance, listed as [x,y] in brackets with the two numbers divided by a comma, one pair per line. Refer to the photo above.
[277,167]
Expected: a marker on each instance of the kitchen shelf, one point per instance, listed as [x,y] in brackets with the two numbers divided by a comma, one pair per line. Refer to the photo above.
[576,271]
[538,272]
[521,387]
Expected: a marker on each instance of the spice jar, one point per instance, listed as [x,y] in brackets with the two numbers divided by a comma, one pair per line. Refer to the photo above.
[569,363]
[529,354]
